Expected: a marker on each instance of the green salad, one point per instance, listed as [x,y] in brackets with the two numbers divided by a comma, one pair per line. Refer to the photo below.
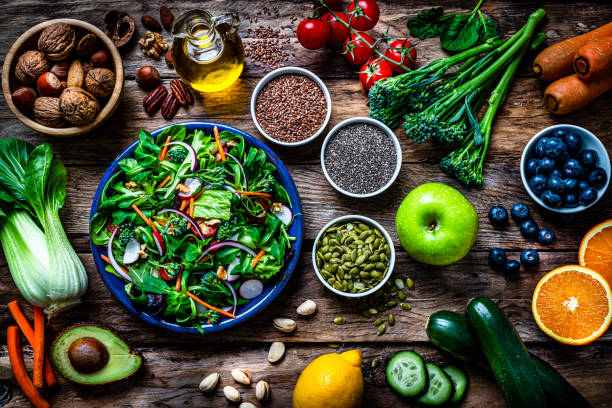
[195,224]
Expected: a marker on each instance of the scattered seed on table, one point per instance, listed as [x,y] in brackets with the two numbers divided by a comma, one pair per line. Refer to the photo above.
[391,319]
[378,321]
[381,329]
[401,295]
[410,283]
[375,362]
[339,320]
[406,306]
[399,283]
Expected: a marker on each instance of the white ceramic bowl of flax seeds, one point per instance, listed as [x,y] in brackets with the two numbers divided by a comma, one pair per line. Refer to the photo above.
[291,106]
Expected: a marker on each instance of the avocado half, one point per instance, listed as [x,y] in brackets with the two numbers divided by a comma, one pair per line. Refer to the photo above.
[91,354]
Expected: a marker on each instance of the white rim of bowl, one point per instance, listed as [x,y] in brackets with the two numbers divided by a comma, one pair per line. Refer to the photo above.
[284,71]
[372,223]
[384,128]
[582,132]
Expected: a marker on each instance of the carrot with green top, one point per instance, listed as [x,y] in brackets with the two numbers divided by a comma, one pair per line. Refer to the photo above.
[39,347]
[203,303]
[219,145]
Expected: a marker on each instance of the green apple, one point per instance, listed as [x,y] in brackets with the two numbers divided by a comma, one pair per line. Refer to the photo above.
[436,224]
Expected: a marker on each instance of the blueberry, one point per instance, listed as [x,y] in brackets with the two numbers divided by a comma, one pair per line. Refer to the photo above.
[570,200]
[555,184]
[551,199]
[529,228]
[546,165]
[498,216]
[546,236]
[597,178]
[519,212]
[497,258]
[556,173]
[573,142]
[587,196]
[571,184]
[560,133]
[529,258]
[537,183]
[539,147]
[532,167]
[512,267]
[583,185]
[555,147]
[572,168]
[588,158]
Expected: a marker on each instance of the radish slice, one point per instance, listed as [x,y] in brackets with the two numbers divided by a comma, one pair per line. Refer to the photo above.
[244,176]
[188,218]
[285,214]
[230,267]
[251,288]
[192,153]
[221,244]
[159,243]
[112,259]
[194,185]
[131,252]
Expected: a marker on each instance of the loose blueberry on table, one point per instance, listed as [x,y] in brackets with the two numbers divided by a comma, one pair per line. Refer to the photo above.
[519,212]
[529,228]
[546,236]
[498,216]
[529,258]
[497,258]
[512,267]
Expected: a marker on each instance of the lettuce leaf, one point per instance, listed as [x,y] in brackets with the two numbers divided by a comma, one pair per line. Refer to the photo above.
[213,204]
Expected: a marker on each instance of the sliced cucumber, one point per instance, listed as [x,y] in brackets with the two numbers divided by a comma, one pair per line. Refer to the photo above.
[459,380]
[406,373]
[440,388]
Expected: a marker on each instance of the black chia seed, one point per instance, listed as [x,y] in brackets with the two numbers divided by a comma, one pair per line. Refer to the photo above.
[360,158]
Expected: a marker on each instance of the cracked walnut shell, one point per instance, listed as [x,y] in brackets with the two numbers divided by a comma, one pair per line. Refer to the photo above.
[47,111]
[57,41]
[78,106]
[100,82]
[30,66]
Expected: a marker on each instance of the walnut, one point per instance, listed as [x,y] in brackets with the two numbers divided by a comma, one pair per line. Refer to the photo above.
[30,66]
[47,111]
[119,27]
[78,106]
[57,41]
[100,82]
[153,44]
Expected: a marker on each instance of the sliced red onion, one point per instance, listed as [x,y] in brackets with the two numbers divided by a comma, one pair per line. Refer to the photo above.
[230,267]
[244,176]
[221,244]
[131,252]
[192,153]
[231,288]
[188,218]
[285,214]
[112,259]
[251,288]
[159,243]
[194,185]
[229,188]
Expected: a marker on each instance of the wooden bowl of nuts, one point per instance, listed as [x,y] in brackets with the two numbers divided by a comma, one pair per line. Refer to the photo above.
[63,77]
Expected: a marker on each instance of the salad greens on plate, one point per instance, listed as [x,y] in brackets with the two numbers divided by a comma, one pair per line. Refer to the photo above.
[195,224]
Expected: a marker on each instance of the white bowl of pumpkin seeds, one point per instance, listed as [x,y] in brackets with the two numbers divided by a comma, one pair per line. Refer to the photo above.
[353,256]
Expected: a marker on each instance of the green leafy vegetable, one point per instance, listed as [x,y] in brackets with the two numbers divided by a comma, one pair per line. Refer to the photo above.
[214,204]
[428,24]
[462,31]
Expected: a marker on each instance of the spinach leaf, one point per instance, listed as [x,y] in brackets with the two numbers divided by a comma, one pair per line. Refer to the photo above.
[427,24]
[460,33]
[487,28]
[178,133]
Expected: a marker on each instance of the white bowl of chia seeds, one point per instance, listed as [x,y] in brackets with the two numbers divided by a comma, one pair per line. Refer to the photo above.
[291,106]
[361,157]
[360,262]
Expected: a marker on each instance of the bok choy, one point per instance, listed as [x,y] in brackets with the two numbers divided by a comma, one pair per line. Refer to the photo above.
[44,266]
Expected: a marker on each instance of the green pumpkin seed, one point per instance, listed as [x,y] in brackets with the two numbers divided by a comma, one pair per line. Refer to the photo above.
[391,319]
[327,256]
[369,267]
[326,275]
[370,239]
[354,272]
[380,266]
[360,260]
[379,321]
[366,314]
[401,296]
[374,258]
[377,232]
[406,306]
[375,274]
[334,260]
[344,286]
[391,303]
[333,241]
[373,311]
[364,235]
[375,362]
[333,268]
[339,320]
[338,286]
[410,283]
[381,329]
[325,241]
[364,227]
[399,283]
[364,274]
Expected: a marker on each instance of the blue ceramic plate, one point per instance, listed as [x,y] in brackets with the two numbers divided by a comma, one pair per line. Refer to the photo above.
[116,285]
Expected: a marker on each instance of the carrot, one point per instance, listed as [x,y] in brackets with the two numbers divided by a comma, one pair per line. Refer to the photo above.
[556,61]
[567,95]
[257,258]
[191,206]
[39,347]
[253,193]
[164,150]
[19,370]
[200,301]
[28,332]
[206,258]
[178,281]
[108,260]
[144,217]
[594,60]
[219,146]
[163,183]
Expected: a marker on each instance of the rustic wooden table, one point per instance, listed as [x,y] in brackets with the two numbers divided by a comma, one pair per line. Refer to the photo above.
[175,364]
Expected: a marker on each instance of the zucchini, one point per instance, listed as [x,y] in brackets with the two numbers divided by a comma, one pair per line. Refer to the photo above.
[406,373]
[448,331]
[459,380]
[508,358]
[440,389]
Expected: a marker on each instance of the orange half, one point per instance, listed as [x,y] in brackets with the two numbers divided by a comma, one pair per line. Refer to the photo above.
[596,250]
[573,305]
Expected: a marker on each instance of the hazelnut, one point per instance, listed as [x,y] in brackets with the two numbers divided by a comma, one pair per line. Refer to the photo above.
[87,45]
[47,111]
[23,97]
[100,82]
[100,59]
[48,84]
[147,77]
[78,106]
[60,69]
[57,41]
[76,74]
[30,66]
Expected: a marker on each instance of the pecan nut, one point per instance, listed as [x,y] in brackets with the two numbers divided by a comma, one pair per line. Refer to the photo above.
[170,106]
[154,99]
[181,91]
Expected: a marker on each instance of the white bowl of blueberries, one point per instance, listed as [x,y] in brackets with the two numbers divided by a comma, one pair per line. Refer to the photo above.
[565,168]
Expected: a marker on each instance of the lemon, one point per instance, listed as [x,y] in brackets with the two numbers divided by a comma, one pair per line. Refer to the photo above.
[331,381]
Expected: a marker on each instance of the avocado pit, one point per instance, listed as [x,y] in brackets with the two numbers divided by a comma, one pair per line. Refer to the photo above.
[88,355]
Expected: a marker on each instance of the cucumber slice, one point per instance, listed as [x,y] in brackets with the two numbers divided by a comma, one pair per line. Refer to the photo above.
[459,380]
[406,373]
[440,387]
